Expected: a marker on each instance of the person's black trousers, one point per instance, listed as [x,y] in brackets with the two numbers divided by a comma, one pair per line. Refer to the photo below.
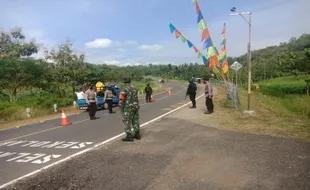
[209,104]
[110,105]
[192,97]
[148,98]
[92,109]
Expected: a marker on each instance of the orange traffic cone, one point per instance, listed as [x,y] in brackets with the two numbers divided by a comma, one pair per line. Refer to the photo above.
[169,93]
[64,119]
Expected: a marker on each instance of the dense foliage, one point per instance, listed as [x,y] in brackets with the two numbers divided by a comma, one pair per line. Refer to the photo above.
[287,59]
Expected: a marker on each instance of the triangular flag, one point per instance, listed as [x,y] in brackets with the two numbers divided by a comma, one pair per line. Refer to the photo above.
[177,33]
[183,39]
[200,17]
[207,43]
[201,25]
[196,50]
[224,29]
[213,61]
[204,59]
[212,51]
[189,44]
[225,67]
[205,34]
[194,1]
[172,28]
[199,55]
[223,42]
[197,7]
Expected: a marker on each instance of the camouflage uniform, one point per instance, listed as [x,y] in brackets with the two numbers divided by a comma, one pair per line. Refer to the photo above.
[130,108]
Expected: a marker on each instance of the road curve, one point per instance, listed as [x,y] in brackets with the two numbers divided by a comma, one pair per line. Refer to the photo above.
[26,149]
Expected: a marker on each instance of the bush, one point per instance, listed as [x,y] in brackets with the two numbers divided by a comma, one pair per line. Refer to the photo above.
[10,111]
[40,105]
[46,102]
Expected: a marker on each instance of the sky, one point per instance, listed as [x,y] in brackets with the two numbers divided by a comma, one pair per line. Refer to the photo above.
[132,32]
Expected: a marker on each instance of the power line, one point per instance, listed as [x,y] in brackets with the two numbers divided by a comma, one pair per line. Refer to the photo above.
[272,6]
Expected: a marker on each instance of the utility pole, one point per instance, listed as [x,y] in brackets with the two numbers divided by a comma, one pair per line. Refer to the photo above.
[249,22]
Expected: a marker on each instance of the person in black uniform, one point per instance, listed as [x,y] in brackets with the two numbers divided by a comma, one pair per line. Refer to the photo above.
[191,92]
[148,93]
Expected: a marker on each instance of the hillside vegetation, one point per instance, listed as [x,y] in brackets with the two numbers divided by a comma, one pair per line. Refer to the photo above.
[40,83]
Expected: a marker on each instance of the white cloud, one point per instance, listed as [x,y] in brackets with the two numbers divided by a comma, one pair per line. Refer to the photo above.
[113,62]
[131,42]
[121,50]
[150,47]
[99,43]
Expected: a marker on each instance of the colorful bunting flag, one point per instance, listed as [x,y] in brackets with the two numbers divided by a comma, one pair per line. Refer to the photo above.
[178,34]
[172,28]
[212,52]
[223,57]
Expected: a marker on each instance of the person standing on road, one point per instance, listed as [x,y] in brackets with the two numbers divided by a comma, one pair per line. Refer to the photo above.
[191,92]
[90,96]
[129,106]
[209,95]
[108,97]
[148,93]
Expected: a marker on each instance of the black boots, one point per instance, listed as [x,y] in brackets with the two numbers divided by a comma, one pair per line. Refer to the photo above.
[128,137]
[192,107]
[137,135]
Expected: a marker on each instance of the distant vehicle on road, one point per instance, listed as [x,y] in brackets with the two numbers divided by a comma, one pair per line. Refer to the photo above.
[101,104]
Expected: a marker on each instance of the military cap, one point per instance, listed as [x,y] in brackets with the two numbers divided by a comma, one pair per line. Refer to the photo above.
[127,80]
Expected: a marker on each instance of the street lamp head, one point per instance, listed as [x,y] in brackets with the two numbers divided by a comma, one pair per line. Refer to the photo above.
[233,9]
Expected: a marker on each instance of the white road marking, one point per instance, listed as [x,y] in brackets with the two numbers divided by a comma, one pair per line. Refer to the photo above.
[40,144]
[25,157]
[91,148]
[5,154]
[47,144]
[53,144]
[81,145]
[45,159]
[20,155]
[30,158]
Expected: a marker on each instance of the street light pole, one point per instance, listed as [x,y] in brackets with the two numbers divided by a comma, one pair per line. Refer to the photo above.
[249,22]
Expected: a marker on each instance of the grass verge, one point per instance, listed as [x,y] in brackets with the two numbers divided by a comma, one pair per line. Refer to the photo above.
[271,118]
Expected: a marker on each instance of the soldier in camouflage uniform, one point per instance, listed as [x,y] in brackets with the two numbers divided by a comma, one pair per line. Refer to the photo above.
[129,106]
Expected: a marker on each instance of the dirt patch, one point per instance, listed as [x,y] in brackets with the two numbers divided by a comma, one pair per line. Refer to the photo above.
[265,121]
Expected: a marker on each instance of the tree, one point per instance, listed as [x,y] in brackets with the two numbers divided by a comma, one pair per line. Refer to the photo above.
[69,68]
[19,75]
[13,44]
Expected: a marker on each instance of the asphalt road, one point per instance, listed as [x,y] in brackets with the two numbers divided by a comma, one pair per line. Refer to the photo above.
[178,153]
[29,148]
